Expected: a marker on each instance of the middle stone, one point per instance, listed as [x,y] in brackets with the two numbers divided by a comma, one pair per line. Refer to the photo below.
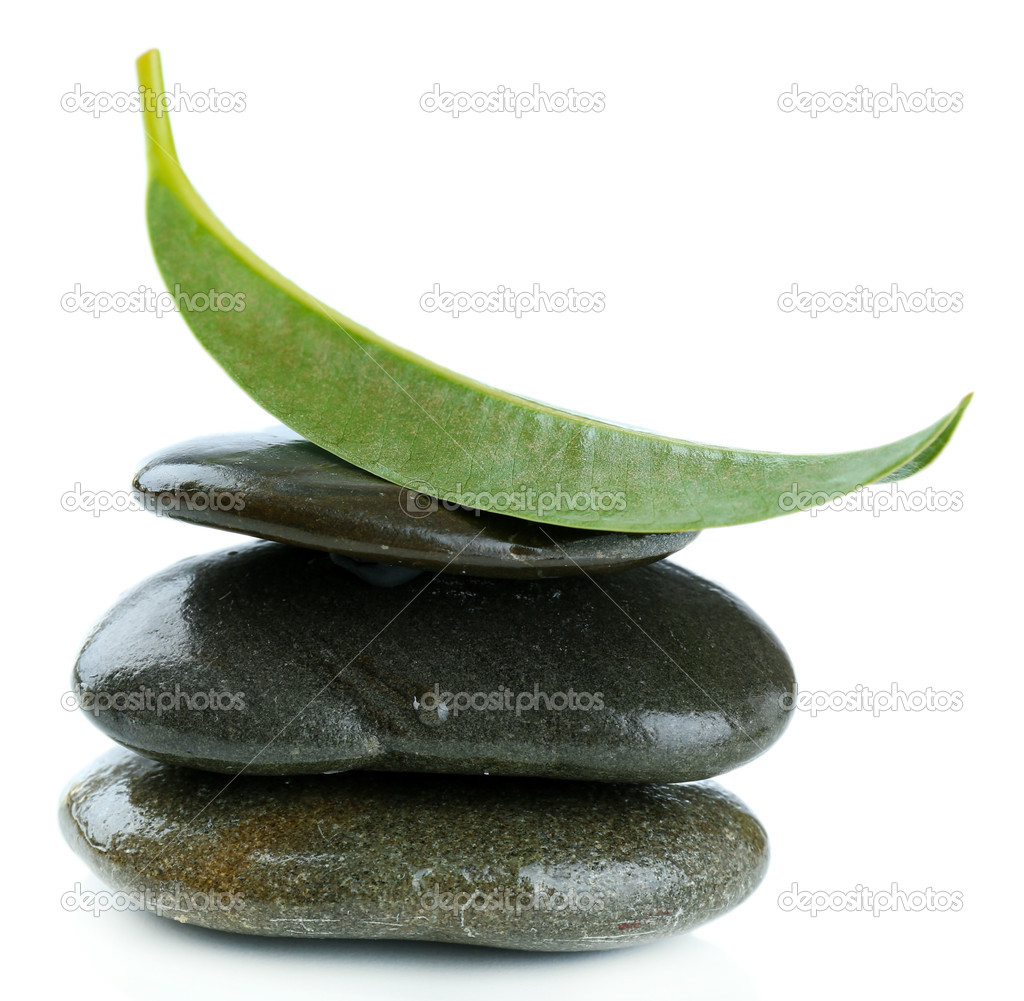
[272,660]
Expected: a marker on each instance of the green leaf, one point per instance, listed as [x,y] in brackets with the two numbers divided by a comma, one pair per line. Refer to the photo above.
[422,426]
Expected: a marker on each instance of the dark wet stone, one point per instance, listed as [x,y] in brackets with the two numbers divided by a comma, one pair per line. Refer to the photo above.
[273,659]
[513,863]
[276,485]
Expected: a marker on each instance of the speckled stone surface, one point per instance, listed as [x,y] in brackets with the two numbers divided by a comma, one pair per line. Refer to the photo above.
[272,658]
[514,863]
[276,485]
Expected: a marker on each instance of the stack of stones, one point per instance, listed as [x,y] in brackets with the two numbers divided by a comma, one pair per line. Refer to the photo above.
[394,718]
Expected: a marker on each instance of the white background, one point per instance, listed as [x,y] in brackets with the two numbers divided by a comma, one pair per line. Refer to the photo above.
[692,202]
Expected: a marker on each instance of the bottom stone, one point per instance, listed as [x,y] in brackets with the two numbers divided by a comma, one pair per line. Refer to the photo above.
[512,863]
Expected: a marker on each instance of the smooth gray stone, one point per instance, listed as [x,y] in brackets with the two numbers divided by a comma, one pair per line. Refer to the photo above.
[513,863]
[277,485]
[272,659]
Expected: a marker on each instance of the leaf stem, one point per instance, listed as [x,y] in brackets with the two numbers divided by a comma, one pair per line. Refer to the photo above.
[161,156]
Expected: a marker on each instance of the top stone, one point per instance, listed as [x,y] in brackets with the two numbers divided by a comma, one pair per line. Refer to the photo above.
[277,485]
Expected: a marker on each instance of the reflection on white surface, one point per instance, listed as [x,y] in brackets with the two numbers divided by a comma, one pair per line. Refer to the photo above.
[141,955]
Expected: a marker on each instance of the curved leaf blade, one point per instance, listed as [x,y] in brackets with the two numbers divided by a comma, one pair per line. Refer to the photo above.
[428,428]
